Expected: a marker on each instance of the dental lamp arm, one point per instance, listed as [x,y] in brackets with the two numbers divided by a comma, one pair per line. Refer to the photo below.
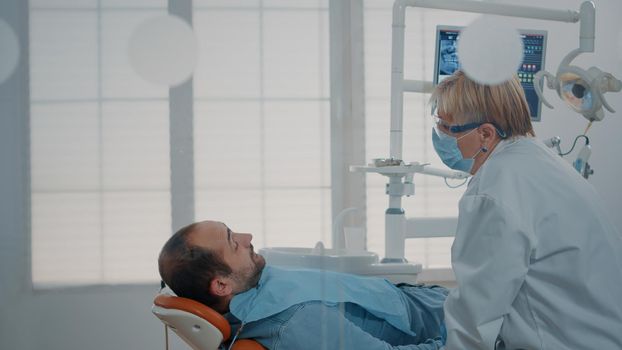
[568,58]
[587,29]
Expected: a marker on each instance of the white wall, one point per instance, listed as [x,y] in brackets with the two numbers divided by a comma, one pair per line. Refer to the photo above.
[605,135]
[101,318]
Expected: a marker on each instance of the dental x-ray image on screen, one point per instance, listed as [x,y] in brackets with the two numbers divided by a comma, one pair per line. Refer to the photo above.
[446,61]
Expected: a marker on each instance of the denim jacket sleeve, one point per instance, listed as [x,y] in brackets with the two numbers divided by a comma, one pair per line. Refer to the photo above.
[318,326]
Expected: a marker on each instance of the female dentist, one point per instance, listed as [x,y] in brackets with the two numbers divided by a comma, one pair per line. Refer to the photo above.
[537,263]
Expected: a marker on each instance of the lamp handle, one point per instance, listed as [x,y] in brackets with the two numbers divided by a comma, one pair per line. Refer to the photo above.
[537,84]
[608,83]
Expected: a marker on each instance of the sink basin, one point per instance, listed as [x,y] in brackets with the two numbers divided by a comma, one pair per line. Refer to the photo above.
[342,260]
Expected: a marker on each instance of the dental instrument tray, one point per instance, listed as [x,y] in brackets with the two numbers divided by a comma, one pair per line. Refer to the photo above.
[380,162]
[397,167]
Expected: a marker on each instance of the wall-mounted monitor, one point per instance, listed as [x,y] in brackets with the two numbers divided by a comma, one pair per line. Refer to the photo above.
[534,48]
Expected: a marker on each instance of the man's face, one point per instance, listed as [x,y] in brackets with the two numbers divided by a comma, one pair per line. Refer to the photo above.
[235,249]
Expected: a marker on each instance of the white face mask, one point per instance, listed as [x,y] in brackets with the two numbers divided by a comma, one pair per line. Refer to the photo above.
[582,90]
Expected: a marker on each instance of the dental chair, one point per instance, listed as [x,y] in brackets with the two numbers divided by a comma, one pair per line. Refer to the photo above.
[201,327]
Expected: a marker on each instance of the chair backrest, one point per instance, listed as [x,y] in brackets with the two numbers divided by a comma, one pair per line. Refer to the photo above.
[198,325]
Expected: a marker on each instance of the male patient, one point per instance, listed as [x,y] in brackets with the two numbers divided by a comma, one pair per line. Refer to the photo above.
[297,308]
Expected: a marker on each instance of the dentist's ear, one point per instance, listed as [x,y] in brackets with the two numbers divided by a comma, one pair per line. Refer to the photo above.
[487,133]
[488,136]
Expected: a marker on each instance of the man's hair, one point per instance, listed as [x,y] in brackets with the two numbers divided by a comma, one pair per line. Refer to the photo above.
[464,101]
[188,269]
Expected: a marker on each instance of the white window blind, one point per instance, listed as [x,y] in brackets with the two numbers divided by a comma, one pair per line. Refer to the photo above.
[262,119]
[432,197]
[99,146]
[100,149]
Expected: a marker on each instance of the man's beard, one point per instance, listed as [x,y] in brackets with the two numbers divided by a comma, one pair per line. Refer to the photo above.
[249,277]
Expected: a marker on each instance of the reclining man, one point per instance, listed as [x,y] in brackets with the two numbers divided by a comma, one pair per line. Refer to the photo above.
[297,309]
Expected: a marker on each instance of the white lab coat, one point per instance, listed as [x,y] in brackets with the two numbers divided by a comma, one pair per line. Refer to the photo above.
[537,263]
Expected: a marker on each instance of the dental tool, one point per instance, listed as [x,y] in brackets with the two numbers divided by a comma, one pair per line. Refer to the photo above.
[580,164]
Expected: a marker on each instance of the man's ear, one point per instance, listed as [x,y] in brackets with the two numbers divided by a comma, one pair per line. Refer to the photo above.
[221,286]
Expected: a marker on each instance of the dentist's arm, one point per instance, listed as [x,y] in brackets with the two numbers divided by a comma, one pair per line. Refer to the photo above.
[490,258]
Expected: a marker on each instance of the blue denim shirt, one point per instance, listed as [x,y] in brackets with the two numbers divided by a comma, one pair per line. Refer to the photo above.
[316,325]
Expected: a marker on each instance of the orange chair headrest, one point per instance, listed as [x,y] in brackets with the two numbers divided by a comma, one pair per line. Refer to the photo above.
[247,344]
[196,308]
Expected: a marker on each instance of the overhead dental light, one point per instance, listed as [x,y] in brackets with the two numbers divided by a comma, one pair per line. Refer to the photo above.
[582,90]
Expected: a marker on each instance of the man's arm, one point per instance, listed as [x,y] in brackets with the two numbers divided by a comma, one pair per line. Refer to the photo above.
[316,326]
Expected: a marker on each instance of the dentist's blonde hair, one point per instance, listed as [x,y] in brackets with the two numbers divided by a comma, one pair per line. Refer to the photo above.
[462,101]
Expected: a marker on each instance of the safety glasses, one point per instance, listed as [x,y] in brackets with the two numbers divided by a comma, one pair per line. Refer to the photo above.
[454,129]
